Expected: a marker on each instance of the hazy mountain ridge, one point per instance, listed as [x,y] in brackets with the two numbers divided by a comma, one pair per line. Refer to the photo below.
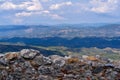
[65,31]
[71,37]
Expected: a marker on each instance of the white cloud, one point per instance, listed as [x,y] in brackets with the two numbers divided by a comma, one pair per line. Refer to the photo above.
[26,13]
[58,6]
[52,15]
[98,6]
[103,6]
[33,5]
[7,6]
[55,16]
[42,13]
[23,14]
[36,5]
[46,0]
[46,11]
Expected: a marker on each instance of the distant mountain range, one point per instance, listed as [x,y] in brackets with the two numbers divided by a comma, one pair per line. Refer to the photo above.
[63,30]
[63,39]
[87,42]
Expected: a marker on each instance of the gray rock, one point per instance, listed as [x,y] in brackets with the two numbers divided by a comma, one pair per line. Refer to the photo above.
[29,53]
[47,61]
[43,77]
[3,61]
[27,64]
[37,61]
[1,55]
[109,65]
[59,62]
[45,70]
[97,70]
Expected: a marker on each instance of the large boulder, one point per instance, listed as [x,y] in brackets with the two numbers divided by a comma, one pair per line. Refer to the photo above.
[29,53]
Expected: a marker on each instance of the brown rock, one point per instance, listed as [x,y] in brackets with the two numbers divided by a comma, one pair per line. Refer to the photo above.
[92,58]
[11,55]
[72,60]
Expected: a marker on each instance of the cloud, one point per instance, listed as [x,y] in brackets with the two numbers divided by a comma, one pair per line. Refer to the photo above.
[46,11]
[103,6]
[58,6]
[52,15]
[46,0]
[8,6]
[33,5]
[42,13]
[59,10]
[55,16]
[99,6]
[31,8]
[22,14]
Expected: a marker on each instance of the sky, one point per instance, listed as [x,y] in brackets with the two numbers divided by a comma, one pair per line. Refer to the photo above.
[30,12]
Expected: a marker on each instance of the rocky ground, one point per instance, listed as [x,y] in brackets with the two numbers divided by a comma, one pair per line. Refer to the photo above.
[29,64]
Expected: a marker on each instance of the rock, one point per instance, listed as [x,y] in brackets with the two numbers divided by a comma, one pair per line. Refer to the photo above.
[47,61]
[26,64]
[97,70]
[44,70]
[29,64]
[1,55]
[70,75]
[67,68]
[108,65]
[43,77]
[57,73]
[11,55]
[59,62]
[54,57]
[72,60]
[92,58]
[29,53]
[37,61]
[84,56]
[3,62]
[30,70]
[117,69]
